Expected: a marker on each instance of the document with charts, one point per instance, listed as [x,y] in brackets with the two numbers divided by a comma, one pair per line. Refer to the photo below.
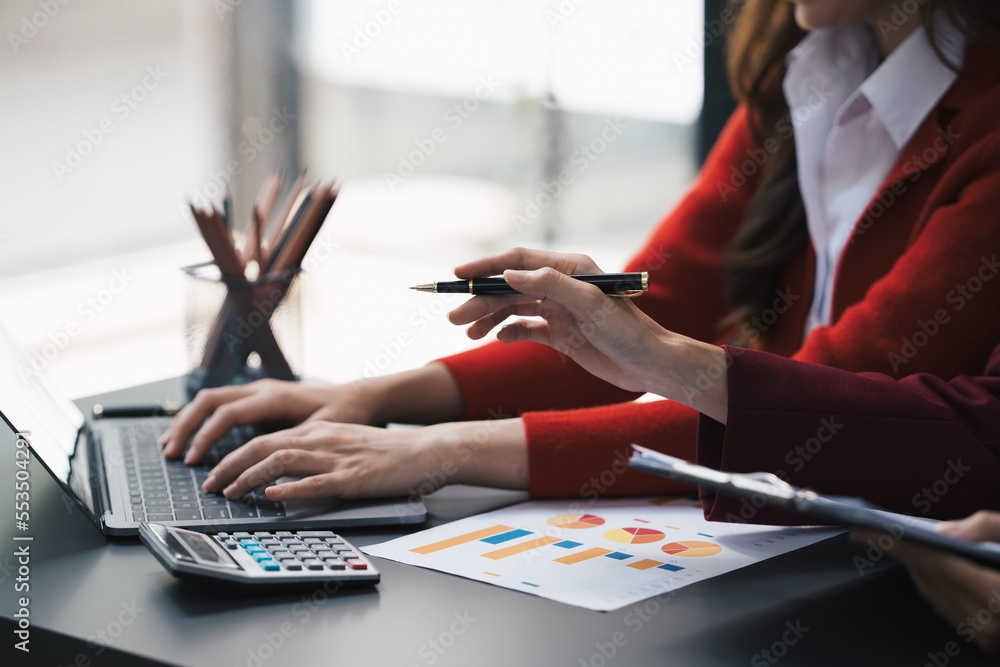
[599,555]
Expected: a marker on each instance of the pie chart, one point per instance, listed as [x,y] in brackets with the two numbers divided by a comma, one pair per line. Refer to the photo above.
[633,535]
[575,521]
[691,549]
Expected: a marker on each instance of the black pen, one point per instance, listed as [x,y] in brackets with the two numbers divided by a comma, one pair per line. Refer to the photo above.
[168,409]
[630,284]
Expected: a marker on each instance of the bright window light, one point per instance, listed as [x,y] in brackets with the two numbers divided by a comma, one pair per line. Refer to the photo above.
[636,58]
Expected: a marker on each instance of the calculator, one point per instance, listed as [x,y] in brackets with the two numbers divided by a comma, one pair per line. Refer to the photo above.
[243,563]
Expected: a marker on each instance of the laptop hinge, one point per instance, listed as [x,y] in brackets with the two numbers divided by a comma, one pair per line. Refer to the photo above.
[99,476]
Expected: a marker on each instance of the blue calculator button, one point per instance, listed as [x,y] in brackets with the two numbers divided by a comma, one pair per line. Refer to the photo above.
[263,557]
[270,565]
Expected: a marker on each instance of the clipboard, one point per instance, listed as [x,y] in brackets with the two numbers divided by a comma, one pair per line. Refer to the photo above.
[835,509]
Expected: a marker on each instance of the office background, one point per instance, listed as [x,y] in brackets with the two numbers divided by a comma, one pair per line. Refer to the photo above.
[444,119]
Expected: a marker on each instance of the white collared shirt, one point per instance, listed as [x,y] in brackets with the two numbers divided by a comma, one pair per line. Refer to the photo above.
[852,117]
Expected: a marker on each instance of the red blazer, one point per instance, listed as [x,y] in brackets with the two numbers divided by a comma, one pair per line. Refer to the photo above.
[920,445]
[922,252]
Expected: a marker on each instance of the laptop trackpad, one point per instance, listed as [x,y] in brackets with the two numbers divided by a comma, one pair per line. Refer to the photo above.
[403,508]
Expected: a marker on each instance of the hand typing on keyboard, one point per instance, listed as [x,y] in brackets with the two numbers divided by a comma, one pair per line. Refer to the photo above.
[214,412]
[336,449]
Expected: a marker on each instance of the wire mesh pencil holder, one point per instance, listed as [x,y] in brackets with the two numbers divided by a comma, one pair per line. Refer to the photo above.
[237,331]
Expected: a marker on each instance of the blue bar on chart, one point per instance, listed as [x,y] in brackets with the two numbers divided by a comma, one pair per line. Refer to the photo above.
[567,544]
[617,555]
[671,568]
[503,537]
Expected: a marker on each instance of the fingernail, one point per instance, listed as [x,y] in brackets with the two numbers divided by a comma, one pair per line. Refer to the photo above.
[209,482]
[515,277]
[275,492]
[229,490]
[188,459]
[164,439]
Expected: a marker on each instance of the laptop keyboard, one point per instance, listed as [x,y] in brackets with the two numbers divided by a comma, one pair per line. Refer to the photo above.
[161,489]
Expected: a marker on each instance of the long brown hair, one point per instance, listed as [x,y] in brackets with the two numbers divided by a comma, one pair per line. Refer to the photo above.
[774,223]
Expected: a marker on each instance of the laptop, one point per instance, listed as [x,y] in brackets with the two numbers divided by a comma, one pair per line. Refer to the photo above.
[114,471]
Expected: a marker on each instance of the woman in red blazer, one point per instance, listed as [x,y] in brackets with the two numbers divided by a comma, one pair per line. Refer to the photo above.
[908,287]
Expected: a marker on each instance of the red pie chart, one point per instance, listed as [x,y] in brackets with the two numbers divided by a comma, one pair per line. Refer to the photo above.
[633,535]
[691,549]
[575,521]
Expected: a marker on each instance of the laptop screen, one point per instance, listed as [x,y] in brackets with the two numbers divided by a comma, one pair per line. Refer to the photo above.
[51,423]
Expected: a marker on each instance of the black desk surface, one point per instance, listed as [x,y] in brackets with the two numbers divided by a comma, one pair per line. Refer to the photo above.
[100,602]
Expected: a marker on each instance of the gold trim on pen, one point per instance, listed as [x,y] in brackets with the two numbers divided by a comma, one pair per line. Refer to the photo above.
[470,286]
[645,281]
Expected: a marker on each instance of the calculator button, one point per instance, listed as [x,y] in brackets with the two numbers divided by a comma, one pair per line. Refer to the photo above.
[222,535]
[270,542]
[284,533]
[346,555]
[262,533]
[357,564]
[263,557]
[270,566]
[241,535]
[324,554]
[292,565]
[316,533]
[312,540]
[313,564]
[335,565]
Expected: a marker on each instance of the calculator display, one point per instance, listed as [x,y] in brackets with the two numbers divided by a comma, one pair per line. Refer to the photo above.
[200,546]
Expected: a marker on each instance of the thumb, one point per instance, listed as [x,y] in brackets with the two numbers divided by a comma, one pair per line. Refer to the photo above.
[980,527]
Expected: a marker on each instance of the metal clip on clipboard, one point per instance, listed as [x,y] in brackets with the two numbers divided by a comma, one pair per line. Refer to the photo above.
[834,509]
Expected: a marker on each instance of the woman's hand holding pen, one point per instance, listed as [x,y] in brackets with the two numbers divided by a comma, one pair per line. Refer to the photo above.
[608,336]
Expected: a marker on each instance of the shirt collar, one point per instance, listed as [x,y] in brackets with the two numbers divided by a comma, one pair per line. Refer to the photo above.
[832,60]
[911,81]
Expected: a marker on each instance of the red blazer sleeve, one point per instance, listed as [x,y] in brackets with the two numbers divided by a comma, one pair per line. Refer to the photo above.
[921,445]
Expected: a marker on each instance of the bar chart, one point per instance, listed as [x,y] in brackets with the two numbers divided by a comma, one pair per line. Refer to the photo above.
[548,549]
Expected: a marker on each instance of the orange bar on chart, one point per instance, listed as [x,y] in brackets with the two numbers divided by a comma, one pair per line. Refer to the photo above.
[461,539]
[645,564]
[522,547]
[583,555]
